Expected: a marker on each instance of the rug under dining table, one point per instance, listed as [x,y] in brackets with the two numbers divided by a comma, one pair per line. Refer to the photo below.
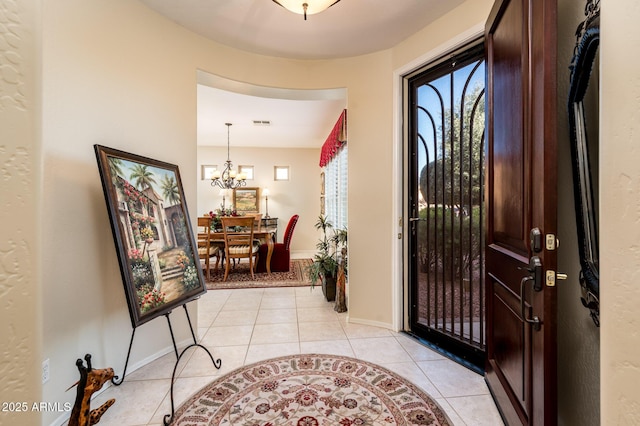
[310,390]
[240,277]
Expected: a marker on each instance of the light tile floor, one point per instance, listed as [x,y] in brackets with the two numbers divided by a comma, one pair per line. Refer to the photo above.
[245,326]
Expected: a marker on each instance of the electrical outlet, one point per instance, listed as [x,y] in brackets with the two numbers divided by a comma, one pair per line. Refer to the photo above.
[45,371]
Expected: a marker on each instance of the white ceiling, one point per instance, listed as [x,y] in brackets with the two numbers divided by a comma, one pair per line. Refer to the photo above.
[349,28]
[298,118]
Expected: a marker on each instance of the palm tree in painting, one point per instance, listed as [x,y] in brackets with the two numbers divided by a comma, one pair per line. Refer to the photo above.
[141,176]
[170,190]
[115,168]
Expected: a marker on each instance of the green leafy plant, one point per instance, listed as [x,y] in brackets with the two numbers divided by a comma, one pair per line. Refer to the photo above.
[326,260]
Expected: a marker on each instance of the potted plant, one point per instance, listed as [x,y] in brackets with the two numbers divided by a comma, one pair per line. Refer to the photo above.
[324,266]
[339,239]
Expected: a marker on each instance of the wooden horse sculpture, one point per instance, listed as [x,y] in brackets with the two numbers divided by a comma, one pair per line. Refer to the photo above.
[90,381]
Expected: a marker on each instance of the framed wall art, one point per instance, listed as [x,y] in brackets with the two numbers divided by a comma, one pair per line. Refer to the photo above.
[246,200]
[154,241]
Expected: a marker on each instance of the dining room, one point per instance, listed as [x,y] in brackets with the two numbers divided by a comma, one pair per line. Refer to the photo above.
[273,140]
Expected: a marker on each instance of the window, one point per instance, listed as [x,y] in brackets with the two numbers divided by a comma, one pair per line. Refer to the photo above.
[280,172]
[247,171]
[335,183]
[207,171]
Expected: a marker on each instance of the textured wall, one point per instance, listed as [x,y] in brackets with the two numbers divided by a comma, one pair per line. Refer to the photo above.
[578,337]
[19,292]
[620,213]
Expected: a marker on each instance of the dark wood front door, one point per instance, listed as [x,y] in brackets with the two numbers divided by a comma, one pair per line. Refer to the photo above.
[521,210]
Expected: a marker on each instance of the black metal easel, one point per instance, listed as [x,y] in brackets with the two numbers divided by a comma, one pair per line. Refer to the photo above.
[217,363]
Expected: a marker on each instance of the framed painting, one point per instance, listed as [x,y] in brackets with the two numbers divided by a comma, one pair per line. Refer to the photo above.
[246,200]
[155,244]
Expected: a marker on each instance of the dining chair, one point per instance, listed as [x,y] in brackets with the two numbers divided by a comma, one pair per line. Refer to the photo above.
[206,248]
[281,255]
[239,242]
[257,218]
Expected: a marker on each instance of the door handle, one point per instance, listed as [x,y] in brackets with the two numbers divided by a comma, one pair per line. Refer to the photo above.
[535,275]
[416,219]
[535,269]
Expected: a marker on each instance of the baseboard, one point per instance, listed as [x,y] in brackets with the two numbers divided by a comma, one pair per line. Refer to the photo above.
[369,322]
[63,419]
[302,254]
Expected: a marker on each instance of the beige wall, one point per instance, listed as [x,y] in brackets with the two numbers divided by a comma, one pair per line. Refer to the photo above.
[134,89]
[117,74]
[20,314]
[104,82]
[299,195]
[620,213]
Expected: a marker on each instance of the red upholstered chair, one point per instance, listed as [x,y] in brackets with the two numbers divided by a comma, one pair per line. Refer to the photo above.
[281,255]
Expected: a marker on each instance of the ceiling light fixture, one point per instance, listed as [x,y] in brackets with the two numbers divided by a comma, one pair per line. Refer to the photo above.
[228,179]
[306,7]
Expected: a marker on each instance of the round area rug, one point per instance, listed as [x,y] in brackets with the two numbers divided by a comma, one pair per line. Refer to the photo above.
[310,390]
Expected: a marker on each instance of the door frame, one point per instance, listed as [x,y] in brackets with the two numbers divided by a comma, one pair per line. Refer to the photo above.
[452,344]
[400,172]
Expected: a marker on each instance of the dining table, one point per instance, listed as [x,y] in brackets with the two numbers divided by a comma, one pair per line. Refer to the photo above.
[266,234]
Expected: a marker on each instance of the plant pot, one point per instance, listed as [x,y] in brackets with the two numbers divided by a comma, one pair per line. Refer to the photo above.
[329,288]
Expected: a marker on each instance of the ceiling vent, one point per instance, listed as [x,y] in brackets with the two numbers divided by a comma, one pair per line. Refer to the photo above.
[261,123]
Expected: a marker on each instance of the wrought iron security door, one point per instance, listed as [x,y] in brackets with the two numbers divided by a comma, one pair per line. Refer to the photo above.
[446,174]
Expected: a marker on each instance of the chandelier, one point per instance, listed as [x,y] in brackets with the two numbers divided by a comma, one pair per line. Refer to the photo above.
[228,179]
[306,7]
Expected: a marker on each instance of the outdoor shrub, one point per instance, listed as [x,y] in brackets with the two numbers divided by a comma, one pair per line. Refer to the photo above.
[449,240]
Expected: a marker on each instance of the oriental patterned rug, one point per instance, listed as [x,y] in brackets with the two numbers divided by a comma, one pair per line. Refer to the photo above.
[240,277]
[310,390]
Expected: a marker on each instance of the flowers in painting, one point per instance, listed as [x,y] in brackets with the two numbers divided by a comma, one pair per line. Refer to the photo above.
[190,278]
[135,255]
[146,233]
[131,194]
[150,298]
[182,260]
[141,220]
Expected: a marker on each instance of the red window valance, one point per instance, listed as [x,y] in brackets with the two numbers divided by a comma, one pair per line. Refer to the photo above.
[335,140]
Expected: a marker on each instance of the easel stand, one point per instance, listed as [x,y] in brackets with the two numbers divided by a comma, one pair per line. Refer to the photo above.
[217,363]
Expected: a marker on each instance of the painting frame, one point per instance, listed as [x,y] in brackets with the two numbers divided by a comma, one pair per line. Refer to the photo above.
[246,200]
[154,241]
